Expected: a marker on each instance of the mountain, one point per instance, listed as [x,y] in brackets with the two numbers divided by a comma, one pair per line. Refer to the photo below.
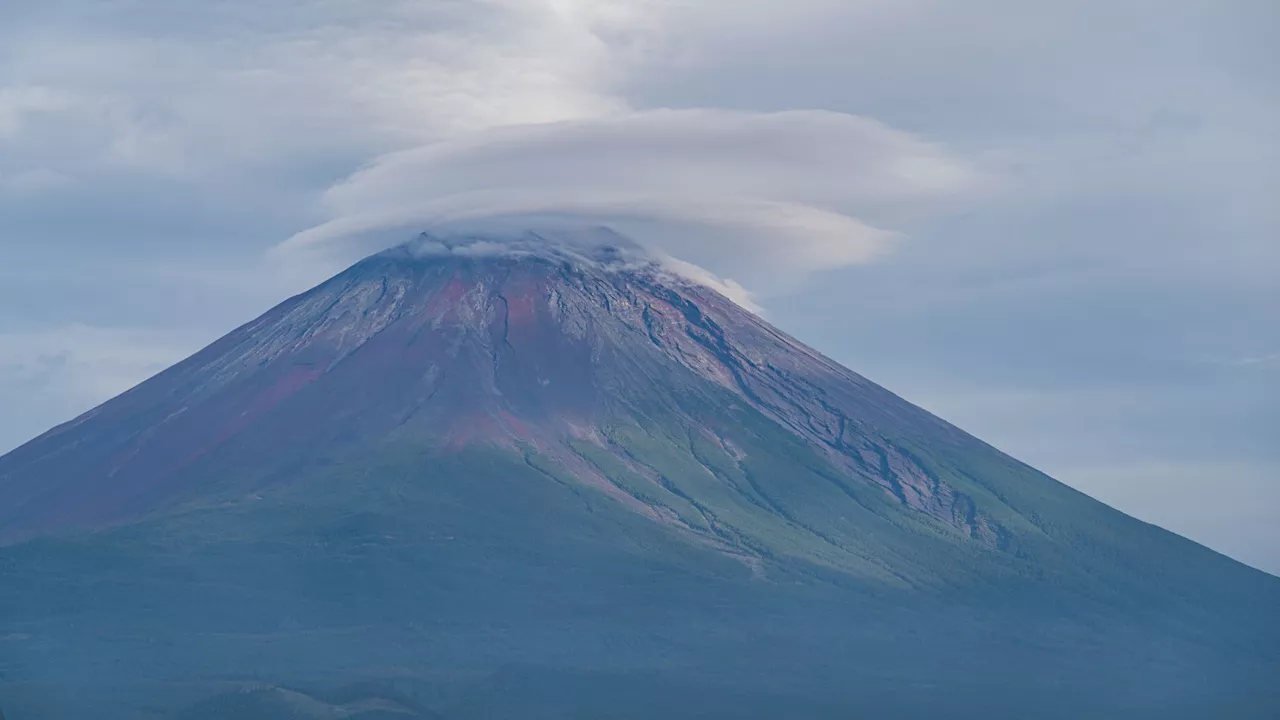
[527,477]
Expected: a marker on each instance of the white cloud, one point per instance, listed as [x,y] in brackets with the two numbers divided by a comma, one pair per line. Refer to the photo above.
[215,89]
[760,195]
[726,287]
[1258,361]
[19,103]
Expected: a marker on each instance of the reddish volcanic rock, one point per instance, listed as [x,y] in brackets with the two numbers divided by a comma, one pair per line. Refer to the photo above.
[514,347]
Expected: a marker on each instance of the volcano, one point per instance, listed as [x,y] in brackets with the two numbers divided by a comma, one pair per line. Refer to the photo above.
[526,477]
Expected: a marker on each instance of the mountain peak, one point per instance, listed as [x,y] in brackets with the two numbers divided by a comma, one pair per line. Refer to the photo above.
[587,249]
[558,344]
[596,247]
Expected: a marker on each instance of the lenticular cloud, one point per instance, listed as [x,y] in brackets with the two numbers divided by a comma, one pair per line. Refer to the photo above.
[750,195]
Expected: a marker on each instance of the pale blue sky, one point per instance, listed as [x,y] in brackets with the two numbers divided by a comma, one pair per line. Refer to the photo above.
[1051,223]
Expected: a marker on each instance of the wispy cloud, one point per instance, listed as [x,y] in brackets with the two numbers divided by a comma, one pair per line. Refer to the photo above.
[21,104]
[1258,361]
[218,88]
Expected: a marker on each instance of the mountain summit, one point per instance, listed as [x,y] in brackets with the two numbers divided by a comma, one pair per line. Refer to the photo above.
[538,478]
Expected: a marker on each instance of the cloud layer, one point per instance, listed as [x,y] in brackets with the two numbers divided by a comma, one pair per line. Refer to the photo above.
[758,196]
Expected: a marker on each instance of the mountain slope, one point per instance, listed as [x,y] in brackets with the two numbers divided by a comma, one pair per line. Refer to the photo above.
[561,458]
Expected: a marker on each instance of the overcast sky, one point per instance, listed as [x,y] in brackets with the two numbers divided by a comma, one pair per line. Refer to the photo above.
[1053,223]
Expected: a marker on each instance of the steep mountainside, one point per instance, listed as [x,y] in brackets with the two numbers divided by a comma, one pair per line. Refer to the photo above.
[462,463]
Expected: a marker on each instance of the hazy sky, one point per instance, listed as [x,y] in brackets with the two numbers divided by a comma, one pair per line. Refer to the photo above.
[1053,223]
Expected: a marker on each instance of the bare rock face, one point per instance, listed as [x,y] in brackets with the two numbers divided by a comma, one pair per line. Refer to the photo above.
[527,345]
